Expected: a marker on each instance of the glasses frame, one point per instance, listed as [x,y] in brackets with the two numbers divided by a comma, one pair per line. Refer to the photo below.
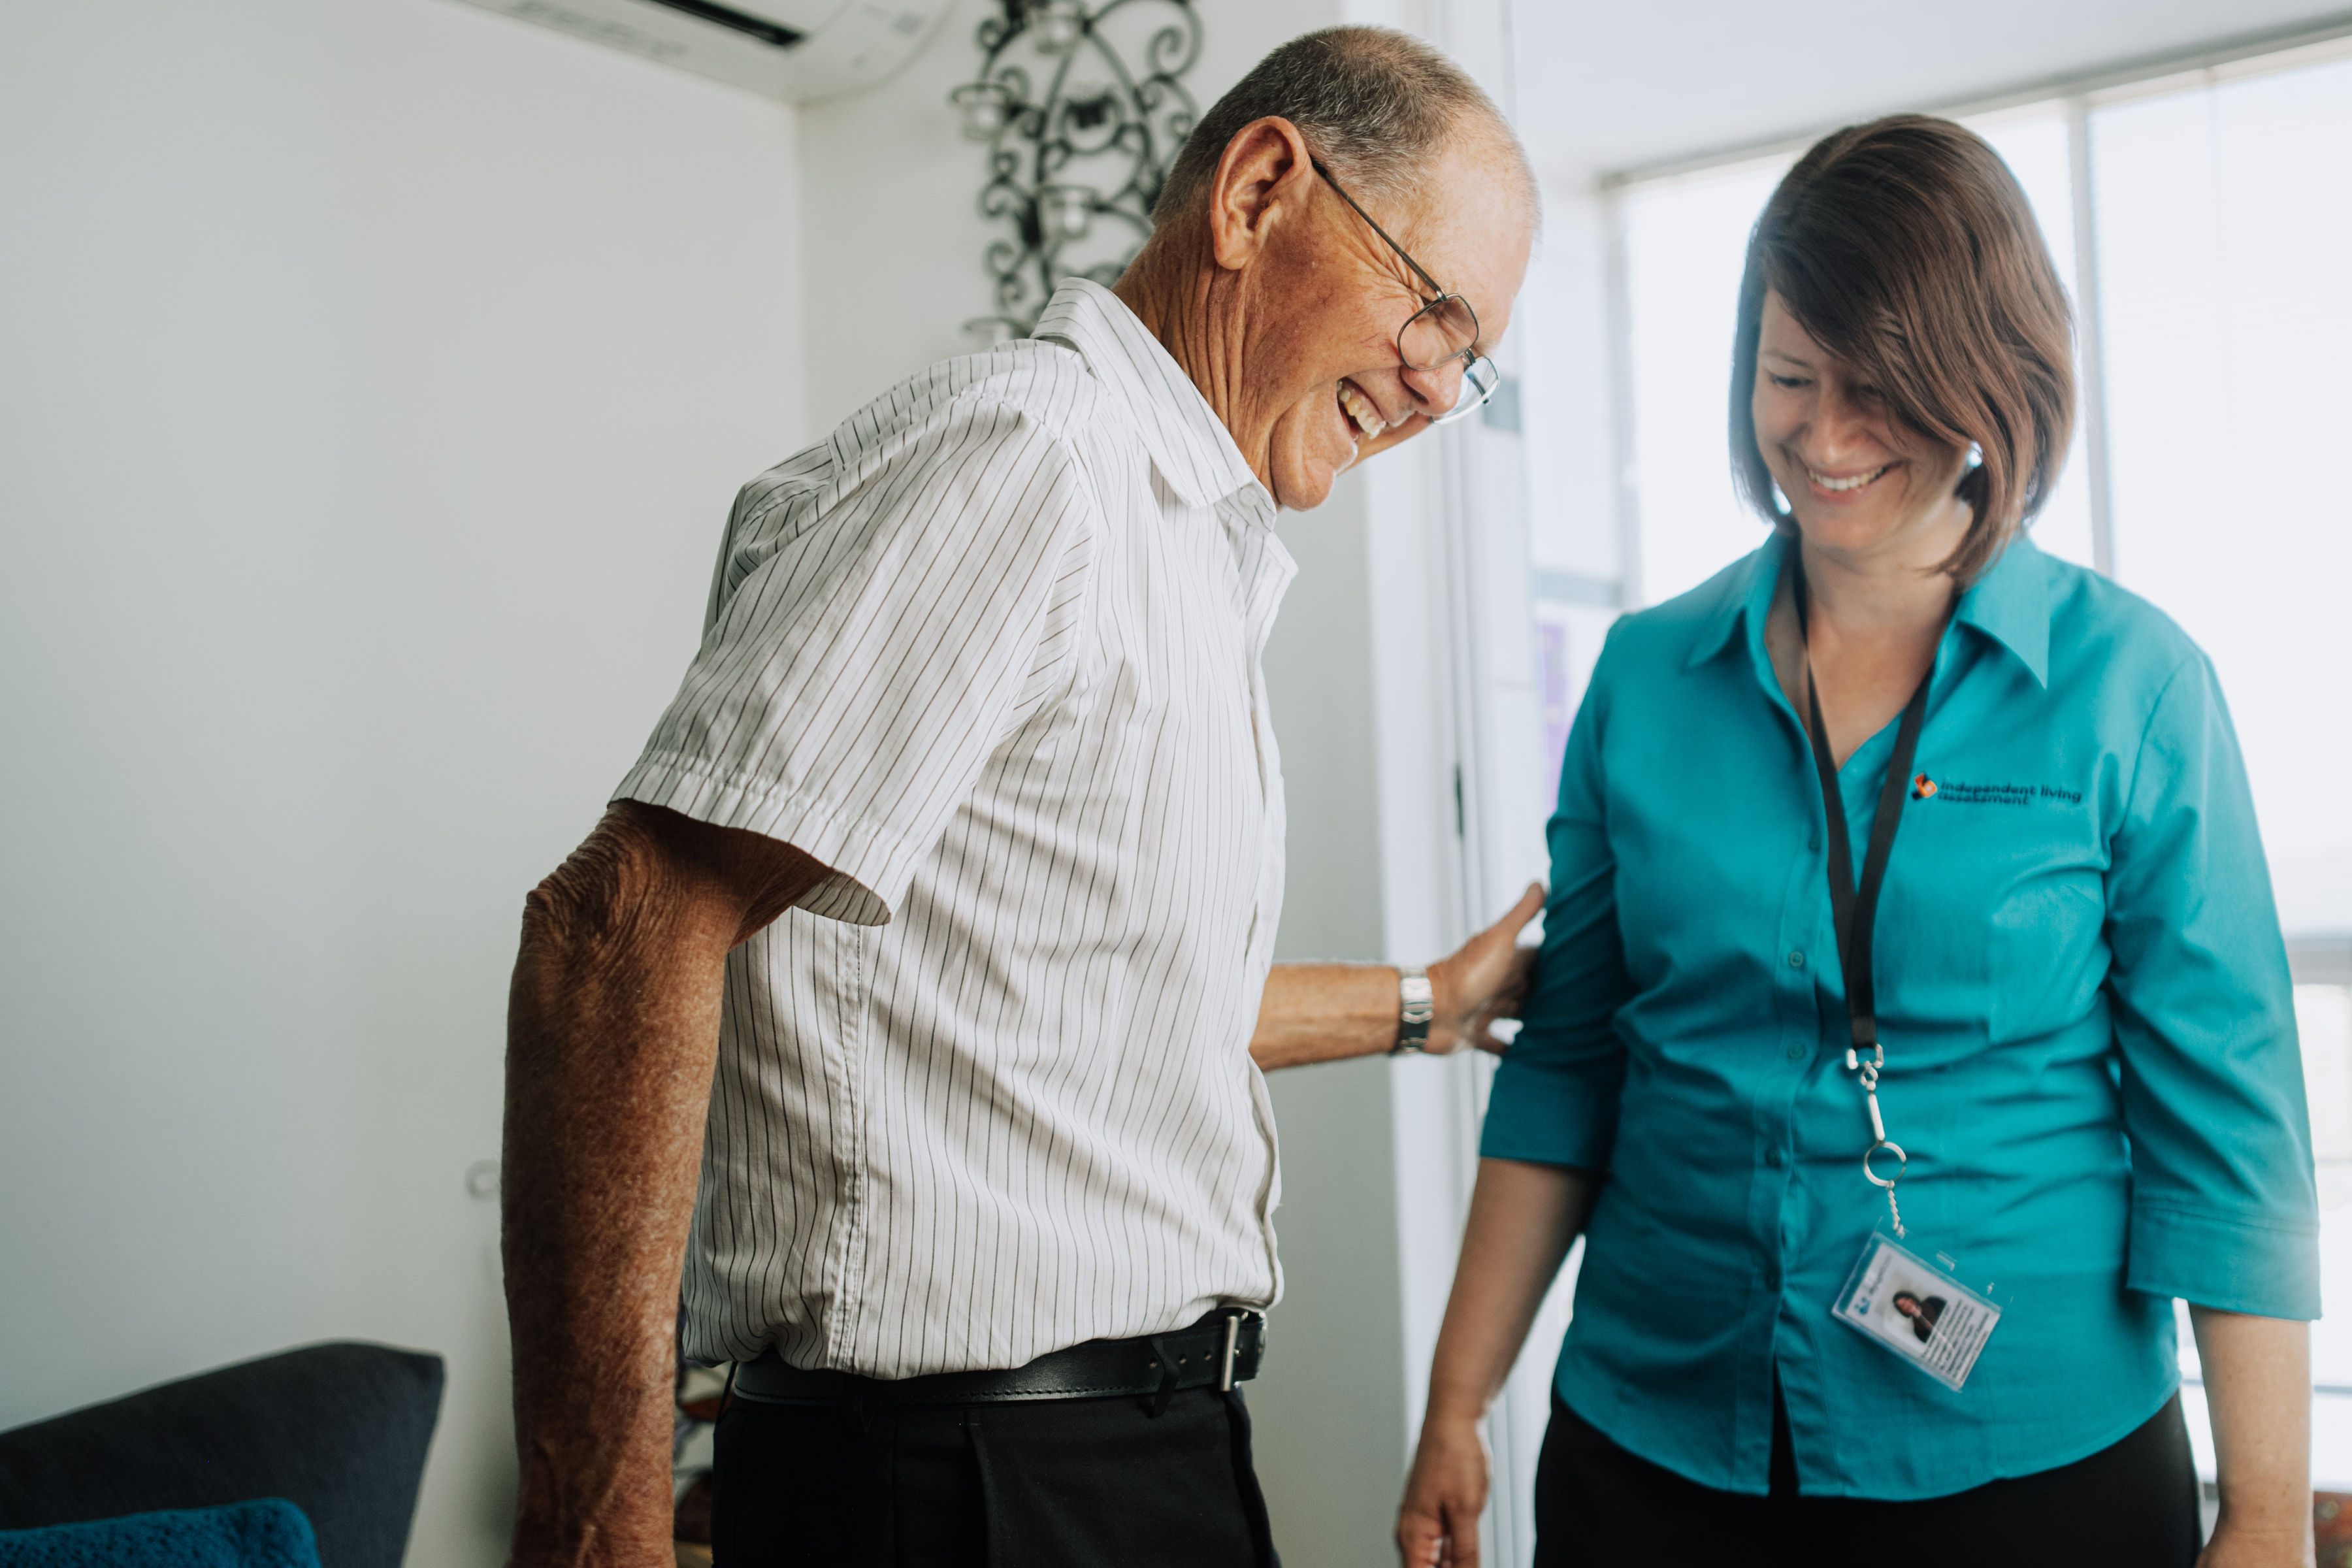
[1480,378]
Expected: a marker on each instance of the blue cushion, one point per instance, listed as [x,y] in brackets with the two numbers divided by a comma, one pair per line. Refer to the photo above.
[270,1533]
[341,1430]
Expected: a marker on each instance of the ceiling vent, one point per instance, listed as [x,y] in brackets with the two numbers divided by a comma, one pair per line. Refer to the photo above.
[793,50]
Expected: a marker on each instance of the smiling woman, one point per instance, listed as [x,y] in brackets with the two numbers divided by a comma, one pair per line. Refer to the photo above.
[2092,1101]
[1905,251]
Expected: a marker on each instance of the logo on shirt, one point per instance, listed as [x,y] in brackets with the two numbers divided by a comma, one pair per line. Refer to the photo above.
[1960,792]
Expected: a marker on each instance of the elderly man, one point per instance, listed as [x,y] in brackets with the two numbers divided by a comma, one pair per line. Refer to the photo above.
[939,911]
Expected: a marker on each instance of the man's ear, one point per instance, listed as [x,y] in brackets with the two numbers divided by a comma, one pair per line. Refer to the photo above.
[1264,168]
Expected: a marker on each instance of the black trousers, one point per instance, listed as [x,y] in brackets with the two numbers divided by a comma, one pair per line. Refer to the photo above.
[1065,1483]
[2133,1504]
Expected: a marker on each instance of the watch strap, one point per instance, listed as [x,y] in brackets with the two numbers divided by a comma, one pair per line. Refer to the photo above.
[1416,1006]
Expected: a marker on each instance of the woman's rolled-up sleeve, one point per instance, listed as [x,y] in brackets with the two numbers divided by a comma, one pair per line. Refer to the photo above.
[1554,1096]
[2223,1212]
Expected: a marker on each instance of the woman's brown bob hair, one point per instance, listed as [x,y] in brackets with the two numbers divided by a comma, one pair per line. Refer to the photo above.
[1906,248]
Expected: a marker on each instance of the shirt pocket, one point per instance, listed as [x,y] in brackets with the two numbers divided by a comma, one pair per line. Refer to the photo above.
[1993,929]
[2048,950]
[2010,899]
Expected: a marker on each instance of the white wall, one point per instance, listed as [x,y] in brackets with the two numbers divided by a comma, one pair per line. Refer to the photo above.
[1329,1414]
[378,377]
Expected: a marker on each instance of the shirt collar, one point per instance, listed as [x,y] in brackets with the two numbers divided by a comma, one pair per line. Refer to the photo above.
[2009,604]
[1746,586]
[1188,444]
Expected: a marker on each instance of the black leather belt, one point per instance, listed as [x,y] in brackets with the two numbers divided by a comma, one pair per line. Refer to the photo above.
[1221,1350]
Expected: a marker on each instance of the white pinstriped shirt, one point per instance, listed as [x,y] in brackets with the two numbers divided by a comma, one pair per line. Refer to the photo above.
[991,653]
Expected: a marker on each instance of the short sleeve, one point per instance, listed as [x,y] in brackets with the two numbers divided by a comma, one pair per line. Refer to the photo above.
[854,682]
[1554,1096]
[2224,1213]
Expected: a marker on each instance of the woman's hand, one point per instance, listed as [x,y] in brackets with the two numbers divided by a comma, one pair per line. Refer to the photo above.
[2232,1547]
[1522,1218]
[1437,1523]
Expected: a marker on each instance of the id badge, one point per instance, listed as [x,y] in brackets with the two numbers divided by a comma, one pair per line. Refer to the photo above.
[1917,1311]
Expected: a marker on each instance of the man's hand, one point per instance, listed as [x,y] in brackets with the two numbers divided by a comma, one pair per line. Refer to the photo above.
[1484,981]
[1323,1012]
[612,1031]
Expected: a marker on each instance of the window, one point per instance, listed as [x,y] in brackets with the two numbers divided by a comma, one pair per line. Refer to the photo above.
[2204,222]
[2224,216]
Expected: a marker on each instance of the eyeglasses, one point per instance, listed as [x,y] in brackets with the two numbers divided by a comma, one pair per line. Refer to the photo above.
[1444,329]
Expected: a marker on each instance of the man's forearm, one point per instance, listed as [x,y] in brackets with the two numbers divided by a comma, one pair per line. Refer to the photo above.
[1323,1012]
[2258,1388]
[612,1029]
[608,1070]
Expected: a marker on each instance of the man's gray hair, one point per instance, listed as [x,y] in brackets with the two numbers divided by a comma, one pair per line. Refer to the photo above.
[1373,103]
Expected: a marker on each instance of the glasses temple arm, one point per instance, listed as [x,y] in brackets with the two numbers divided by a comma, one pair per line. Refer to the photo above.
[1435,285]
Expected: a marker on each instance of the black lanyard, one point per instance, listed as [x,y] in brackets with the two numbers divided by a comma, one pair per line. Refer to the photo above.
[1856,907]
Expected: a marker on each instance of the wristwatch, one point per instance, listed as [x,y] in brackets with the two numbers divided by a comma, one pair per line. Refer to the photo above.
[1416,1005]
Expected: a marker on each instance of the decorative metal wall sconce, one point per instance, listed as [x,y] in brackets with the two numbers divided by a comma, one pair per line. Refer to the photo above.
[1075,164]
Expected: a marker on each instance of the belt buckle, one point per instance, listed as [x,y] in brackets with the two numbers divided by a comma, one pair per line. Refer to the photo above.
[1232,1340]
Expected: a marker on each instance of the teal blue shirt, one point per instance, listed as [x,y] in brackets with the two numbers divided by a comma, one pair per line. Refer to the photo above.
[2091,1055]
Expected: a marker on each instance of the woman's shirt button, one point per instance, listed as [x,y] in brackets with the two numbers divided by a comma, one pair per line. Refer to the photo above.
[1796,1050]
[1797,958]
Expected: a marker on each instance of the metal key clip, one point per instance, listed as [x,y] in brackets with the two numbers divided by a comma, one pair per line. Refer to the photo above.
[1868,1071]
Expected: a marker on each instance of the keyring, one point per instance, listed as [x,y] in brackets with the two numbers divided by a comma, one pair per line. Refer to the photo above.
[1903,1162]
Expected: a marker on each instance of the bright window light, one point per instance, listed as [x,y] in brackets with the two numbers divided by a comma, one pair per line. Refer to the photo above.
[2224,222]
[1686,241]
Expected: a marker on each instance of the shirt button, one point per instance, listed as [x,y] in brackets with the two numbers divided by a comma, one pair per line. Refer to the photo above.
[1797,959]
[1774,1158]
[1814,842]
[1796,1050]
[1772,1276]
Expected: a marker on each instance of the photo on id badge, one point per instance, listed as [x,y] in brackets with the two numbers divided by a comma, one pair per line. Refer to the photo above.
[1917,1311]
